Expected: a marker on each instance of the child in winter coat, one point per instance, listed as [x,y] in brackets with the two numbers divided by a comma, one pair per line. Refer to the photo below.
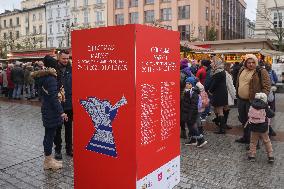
[189,113]
[259,115]
[203,103]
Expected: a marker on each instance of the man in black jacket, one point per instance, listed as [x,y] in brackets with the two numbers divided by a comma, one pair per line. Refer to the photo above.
[64,77]
[17,76]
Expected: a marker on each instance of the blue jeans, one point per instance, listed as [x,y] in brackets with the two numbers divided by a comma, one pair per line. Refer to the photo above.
[30,91]
[193,128]
[17,90]
[48,140]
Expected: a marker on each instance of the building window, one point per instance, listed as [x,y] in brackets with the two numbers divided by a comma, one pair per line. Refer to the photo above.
[75,20]
[58,13]
[207,13]
[59,27]
[17,34]
[164,1]
[51,42]
[50,14]
[40,29]
[119,19]
[86,17]
[27,30]
[11,22]
[11,35]
[133,3]
[213,16]
[75,3]
[34,29]
[217,19]
[133,18]
[166,14]
[149,16]
[4,35]
[184,31]
[40,16]
[34,17]
[278,18]
[5,24]
[99,16]
[66,12]
[50,28]
[275,15]
[149,2]
[27,19]
[118,4]
[213,2]
[99,1]
[184,12]
[85,2]
[18,21]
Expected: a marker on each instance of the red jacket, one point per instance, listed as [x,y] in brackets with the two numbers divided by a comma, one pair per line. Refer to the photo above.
[10,82]
[201,74]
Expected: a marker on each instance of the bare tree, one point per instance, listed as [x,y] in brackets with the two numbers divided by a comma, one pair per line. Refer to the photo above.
[3,48]
[275,25]
[32,41]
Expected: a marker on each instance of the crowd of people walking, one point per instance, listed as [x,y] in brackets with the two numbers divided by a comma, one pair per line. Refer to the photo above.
[51,81]
[249,86]
[205,85]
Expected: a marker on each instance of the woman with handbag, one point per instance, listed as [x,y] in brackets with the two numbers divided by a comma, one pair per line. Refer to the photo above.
[51,109]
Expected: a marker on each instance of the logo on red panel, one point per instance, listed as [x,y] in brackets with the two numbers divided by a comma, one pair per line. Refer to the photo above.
[102,114]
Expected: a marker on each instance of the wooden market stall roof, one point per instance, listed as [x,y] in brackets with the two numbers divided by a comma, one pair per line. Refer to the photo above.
[264,52]
[194,47]
[236,44]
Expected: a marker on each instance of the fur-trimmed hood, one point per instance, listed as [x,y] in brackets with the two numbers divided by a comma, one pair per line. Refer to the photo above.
[44,72]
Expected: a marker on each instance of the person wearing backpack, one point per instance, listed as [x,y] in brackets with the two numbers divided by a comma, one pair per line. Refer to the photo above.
[190,115]
[203,104]
[184,74]
[251,79]
[271,96]
[259,116]
[219,93]
[231,93]
[1,80]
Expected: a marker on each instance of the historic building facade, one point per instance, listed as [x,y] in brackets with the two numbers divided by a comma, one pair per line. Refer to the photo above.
[58,23]
[233,19]
[193,19]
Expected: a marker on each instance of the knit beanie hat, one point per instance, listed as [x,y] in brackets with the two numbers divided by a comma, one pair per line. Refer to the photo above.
[261,96]
[251,56]
[205,63]
[49,62]
[191,80]
[184,63]
[200,86]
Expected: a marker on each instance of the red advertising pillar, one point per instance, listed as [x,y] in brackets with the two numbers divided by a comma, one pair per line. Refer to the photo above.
[126,108]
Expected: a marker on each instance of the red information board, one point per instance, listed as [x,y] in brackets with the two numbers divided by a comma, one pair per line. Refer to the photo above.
[126,107]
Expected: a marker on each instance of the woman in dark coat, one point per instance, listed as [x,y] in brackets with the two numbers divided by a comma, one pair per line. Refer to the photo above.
[218,91]
[51,109]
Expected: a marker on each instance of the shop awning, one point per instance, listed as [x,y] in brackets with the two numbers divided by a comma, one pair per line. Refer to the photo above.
[194,47]
[245,51]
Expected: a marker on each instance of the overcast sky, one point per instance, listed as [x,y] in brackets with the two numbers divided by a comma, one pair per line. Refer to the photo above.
[10,4]
[251,9]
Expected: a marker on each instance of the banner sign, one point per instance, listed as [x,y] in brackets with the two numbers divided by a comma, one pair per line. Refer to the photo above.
[126,107]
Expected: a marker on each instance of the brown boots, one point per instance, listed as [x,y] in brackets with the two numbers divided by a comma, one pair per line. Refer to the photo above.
[51,163]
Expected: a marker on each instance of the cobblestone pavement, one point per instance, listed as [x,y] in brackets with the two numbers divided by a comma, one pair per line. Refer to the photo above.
[221,164]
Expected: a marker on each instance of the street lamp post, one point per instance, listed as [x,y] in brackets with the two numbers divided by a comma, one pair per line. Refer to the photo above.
[67,32]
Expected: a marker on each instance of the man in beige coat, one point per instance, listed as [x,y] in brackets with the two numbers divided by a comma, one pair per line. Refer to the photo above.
[251,79]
